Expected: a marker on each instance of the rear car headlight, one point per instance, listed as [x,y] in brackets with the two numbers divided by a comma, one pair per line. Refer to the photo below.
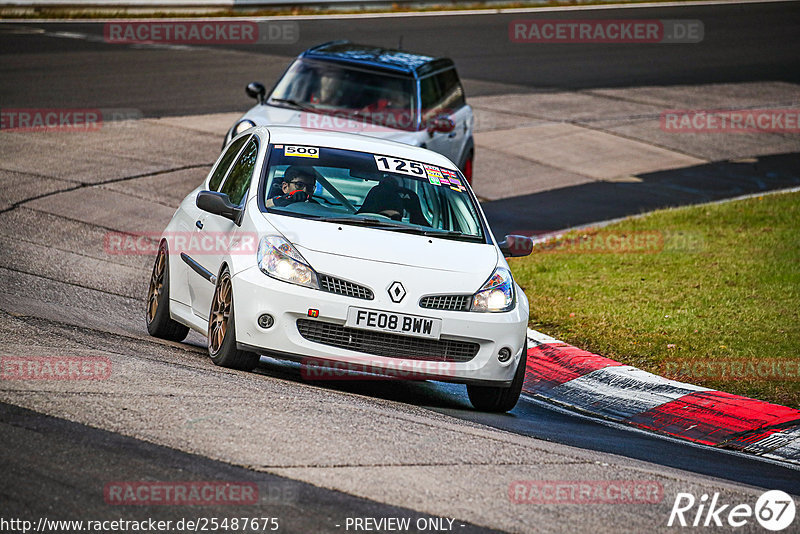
[497,294]
[242,125]
[279,259]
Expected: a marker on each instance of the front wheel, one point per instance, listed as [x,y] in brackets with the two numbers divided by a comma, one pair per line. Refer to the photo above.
[499,399]
[222,329]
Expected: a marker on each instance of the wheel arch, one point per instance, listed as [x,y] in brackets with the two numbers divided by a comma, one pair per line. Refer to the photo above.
[469,146]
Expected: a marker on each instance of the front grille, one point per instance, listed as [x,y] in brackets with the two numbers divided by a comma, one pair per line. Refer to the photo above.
[446,302]
[343,287]
[387,345]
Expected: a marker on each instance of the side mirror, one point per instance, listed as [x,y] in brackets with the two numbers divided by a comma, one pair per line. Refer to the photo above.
[256,90]
[516,246]
[218,204]
[442,123]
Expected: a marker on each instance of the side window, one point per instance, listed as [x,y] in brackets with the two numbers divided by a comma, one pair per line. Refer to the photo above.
[441,93]
[430,97]
[451,90]
[238,181]
[225,163]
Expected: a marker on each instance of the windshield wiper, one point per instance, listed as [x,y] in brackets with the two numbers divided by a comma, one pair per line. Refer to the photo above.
[365,221]
[451,233]
[293,103]
[371,221]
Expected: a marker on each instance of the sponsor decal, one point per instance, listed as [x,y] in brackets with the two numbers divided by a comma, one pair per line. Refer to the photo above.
[433,174]
[301,151]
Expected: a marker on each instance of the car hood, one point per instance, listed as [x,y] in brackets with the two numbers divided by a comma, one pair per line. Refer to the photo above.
[315,238]
[264,115]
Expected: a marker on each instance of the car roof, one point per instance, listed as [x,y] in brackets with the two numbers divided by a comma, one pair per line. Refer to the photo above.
[375,57]
[351,141]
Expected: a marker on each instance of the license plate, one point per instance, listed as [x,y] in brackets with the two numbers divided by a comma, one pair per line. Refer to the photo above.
[397,323]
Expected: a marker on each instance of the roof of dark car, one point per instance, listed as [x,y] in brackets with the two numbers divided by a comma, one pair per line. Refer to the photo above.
[398,61]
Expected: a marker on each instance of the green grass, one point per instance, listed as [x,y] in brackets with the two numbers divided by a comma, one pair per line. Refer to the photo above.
[723,284]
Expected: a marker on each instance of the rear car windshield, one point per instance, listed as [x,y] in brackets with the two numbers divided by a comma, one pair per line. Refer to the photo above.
[330,88]
[376,190]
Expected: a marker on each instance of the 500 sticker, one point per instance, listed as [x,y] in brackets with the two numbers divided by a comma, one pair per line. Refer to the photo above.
[301,151]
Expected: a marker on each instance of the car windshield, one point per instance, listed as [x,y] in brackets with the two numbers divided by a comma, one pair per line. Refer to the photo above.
[365,189]
[330,88]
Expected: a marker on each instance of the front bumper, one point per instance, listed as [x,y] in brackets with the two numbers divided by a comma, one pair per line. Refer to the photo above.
[256,293]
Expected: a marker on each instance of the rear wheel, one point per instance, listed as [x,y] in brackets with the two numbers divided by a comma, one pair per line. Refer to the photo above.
[222,329]
[498,399]
[159,322]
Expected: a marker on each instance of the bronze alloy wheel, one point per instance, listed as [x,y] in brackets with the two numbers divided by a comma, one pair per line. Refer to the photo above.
[156,284]
[159,320]
[220,312]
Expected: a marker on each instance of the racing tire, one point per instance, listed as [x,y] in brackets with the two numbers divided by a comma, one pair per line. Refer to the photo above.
[222,329]
[500,399]
[159,322]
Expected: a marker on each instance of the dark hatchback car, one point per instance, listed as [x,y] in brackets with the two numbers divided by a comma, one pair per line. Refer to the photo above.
[391,94]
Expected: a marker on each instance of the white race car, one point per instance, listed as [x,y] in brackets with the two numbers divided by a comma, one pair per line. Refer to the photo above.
[338,250]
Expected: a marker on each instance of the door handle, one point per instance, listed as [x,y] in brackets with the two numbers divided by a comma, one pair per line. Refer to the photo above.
[199,224]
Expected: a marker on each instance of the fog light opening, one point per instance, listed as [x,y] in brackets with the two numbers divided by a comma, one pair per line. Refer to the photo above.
[504,354]
[265,320]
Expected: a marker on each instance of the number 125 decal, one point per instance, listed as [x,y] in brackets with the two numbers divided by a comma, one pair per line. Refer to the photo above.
[404,166]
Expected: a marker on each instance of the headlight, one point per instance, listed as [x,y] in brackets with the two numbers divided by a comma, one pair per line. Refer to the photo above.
[497,294]
[242,125]
[279,259]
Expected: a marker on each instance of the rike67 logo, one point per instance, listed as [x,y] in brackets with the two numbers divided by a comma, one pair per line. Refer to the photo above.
[774,510]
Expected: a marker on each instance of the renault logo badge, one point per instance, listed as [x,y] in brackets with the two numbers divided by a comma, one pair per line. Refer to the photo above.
[397,292]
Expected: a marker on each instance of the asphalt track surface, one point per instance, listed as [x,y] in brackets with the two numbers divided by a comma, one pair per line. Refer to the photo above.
[81,459]
[53,465]
[743,42]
